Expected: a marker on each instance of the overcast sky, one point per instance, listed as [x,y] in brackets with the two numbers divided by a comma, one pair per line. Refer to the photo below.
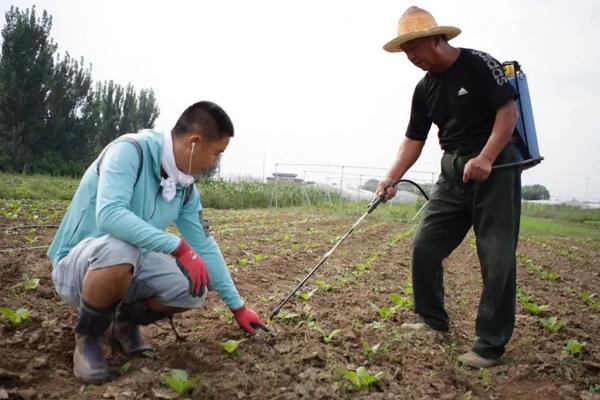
[308,81]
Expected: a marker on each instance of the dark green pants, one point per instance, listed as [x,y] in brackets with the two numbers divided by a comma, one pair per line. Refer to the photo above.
[493,209]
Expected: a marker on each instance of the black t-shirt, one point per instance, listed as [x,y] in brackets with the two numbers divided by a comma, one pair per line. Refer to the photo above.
[461,101]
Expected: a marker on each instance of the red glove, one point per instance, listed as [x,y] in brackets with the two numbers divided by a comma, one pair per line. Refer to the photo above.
[248,320]
[193,267]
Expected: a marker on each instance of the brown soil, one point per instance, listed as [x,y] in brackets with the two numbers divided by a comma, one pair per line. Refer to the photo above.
[293,361]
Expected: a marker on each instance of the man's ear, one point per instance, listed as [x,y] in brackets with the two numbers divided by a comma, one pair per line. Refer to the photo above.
[194,138]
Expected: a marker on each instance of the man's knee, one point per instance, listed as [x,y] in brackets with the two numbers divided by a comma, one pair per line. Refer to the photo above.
[104,287]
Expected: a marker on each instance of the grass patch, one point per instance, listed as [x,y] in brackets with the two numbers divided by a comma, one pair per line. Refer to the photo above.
[37,187]
[562,212]
[555,227]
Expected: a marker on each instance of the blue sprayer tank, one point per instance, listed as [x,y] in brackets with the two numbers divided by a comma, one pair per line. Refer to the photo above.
[526,138]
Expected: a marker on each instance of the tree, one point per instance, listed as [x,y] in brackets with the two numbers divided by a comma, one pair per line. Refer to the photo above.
[129,119]
[370,185]
[26,67]
[52,118]
[535,192]
[67,136]
[148,109]
[111,111]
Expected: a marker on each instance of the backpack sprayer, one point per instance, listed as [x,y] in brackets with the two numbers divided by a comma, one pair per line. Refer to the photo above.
[526,138]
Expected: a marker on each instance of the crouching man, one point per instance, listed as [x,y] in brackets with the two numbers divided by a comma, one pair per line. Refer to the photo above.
[112,257]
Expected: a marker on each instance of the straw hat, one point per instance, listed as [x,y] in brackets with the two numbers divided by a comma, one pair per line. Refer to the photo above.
[417,23]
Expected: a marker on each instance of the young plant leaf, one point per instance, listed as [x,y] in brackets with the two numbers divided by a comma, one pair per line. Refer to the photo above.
[287,316]
[553,324]
[370,350]
[327,337]
[179,381]
[307,295]
[15,317]
[401,301]
[573,347]
[30,284]
[323,285]
[534,308]
[361,378]
[231,346]
[550,275]
[376,325]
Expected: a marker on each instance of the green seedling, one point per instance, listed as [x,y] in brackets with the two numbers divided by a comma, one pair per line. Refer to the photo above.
[361,378]
[259,257]
[265,299]
[30,240]
[243,262]
[15,317]
[534,309]
[231,346]
[594,388]
[573,347]
[401,301]
[370,350]
[125,368]
[383,312]
[323,285]
[243,246]
[587,296]
[553,324]
[228,316]
[326,337]
[523,297]
[306,296]
[366,264]
[550,275]
[286,316]
[179,381]
[30,284]
[485,376]
[376,325]
[408,289]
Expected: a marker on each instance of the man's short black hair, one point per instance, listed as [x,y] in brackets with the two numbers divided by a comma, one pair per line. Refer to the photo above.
[206,118]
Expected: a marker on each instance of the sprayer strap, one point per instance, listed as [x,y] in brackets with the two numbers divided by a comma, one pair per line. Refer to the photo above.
[188,190]
[138,147]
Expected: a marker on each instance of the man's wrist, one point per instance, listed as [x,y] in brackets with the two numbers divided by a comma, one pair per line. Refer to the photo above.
[487,157]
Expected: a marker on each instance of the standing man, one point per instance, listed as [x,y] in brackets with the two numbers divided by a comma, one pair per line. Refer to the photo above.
[112,257]
[467,96]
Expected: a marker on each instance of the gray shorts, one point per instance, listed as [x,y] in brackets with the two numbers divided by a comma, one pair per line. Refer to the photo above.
[155,274]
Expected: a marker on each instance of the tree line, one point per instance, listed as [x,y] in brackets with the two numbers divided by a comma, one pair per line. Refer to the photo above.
[53,118]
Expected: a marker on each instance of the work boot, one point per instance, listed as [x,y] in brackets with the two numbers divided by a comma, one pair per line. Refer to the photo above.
[129,336]
[474,360]
[416,326]
[89,364]
[126,329]
[419,324]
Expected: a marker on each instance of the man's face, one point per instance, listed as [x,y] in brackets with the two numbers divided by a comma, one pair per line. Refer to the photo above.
[206,153]
[422,52]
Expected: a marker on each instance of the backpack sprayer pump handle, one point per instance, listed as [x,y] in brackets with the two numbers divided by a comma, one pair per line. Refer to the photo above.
[377,200]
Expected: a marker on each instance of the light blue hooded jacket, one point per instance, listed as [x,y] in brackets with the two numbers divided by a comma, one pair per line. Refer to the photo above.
[119,203]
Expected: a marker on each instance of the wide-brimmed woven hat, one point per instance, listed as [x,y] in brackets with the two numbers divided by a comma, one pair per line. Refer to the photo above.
[417,23]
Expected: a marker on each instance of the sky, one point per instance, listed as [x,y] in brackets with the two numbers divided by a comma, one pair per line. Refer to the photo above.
[307,82]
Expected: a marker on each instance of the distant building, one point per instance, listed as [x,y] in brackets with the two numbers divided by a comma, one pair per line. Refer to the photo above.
[284,177]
